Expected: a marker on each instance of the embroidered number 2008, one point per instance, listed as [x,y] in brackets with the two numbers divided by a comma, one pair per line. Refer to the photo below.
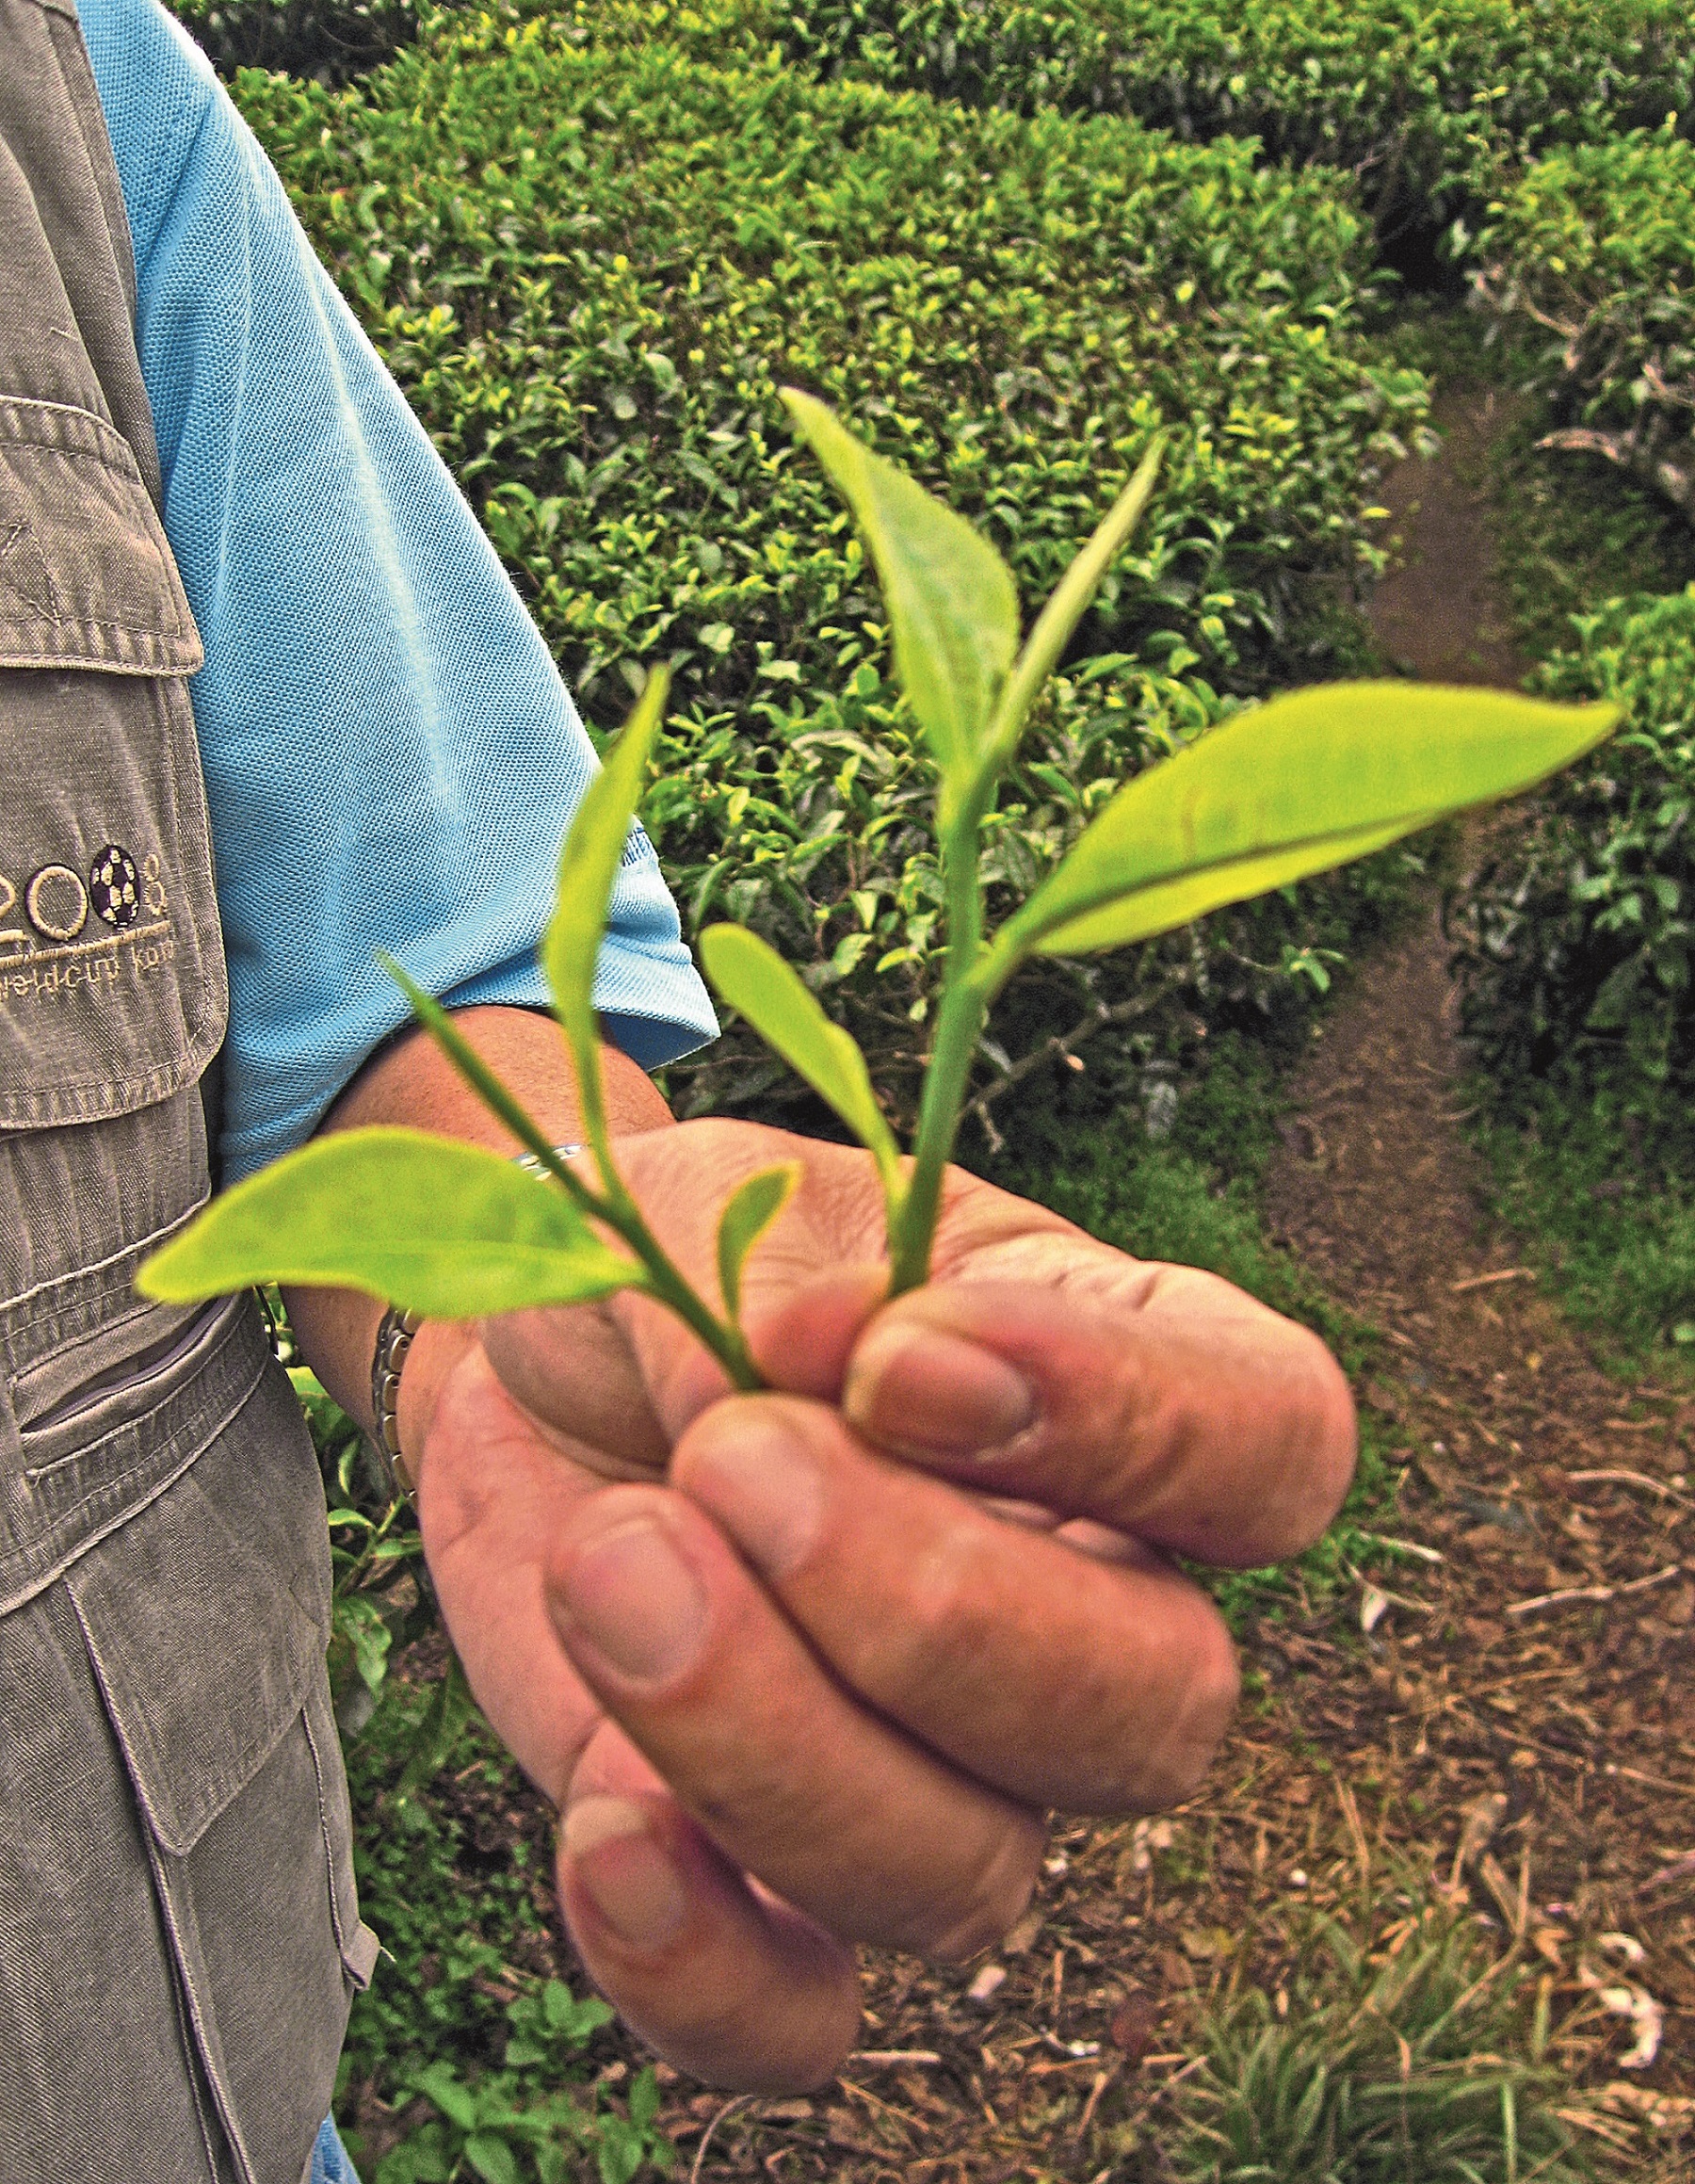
[56,900]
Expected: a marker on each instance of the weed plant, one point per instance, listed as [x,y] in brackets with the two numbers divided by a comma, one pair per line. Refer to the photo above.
[463,2021]
[1398,2054]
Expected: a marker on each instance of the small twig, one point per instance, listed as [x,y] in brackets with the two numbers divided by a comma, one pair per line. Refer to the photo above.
[1573,1593]
[920,2057]
[1649,1781]
[1631,1478]
[1103,2079]
[1487,1281]
[1394,1599]
[1059,1049]
[1406,1546]
[1676,1870]
[729,2108]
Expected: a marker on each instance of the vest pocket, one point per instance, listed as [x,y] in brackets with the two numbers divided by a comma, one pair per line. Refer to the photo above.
[206,1618]
[112,987]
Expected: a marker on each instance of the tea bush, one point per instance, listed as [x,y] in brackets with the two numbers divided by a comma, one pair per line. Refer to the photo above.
[590,269]
[1591,254]
[1420,99]
[1577,937]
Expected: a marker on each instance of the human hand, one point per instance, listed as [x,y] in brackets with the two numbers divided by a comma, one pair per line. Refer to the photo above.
[817,1684]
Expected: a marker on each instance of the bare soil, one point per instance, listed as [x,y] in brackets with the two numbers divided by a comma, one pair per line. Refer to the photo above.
[1517,1725]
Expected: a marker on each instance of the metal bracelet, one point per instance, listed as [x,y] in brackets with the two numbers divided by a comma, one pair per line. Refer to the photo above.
[395,1333]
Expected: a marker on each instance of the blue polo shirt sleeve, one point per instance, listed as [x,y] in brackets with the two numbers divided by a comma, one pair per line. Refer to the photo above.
[391,757]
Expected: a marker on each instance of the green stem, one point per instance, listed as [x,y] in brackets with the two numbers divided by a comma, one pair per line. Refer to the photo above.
[667,1281]
[612,1204]
[958,1026]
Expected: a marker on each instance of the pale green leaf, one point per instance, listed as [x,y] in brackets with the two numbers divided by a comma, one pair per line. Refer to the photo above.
[750,1211]
[588,862]
[1173,902]
[753,979]
[429,1223]
[1303,782]
[952,608]
[440,2083]
[1054,624]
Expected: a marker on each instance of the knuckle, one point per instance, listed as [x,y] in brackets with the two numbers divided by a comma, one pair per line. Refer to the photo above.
[1329,1436]
[1178,1763]
[944,1606]
[989,1898]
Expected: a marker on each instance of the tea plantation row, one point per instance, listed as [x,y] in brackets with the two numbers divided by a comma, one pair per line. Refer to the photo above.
[1418,100]
[1578,938]
[591,265]
[592,250]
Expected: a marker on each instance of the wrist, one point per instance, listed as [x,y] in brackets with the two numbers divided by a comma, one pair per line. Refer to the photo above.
[437,1348]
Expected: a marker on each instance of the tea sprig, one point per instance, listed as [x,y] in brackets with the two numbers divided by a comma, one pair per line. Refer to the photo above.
[1301,783]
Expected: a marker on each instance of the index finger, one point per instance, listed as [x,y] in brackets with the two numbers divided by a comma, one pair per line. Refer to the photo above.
[1170,1406]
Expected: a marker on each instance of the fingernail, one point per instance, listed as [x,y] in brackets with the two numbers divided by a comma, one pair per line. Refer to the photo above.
[634,1597]
[761,1483]
[632,1882]
[912,1387]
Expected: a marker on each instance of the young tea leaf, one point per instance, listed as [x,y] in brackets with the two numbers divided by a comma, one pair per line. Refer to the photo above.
[753,979]
[1306,782]
[588,862]
[950,598]
[750,1211]
[429,1223]
[1169,904]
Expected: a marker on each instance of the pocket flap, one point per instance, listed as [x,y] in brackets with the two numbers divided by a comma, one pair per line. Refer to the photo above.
[86,577]
[206,1616]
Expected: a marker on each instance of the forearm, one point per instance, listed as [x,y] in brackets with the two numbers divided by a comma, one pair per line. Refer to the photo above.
[412,1081]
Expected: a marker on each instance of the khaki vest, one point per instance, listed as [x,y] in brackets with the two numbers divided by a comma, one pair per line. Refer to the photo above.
[179,1936]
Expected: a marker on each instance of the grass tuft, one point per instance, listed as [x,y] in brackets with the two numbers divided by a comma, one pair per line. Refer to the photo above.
[1400,2055]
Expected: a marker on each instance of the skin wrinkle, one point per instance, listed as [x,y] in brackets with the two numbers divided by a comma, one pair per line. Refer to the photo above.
[964,1589]
[875,1870]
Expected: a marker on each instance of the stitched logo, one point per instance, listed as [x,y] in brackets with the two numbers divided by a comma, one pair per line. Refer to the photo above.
[115,886]
[57,902]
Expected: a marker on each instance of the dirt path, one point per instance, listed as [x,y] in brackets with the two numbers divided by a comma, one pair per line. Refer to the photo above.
[1579,1715]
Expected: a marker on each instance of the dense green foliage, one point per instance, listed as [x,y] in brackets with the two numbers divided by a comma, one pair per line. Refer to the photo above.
[465,2019]
[1420,99]
[591,268]
[1578,937]
[1574,950]
[1591,254]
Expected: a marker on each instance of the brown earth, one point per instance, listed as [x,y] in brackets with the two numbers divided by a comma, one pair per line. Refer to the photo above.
[1526,1685]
